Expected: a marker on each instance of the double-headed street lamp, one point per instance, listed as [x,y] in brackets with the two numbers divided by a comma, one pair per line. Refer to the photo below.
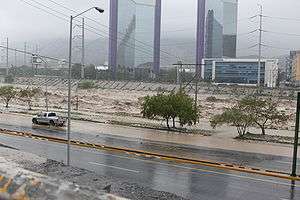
[69,78]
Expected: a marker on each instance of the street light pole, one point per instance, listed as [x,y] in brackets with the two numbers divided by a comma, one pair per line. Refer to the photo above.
[296,138]
[70,76]
[69,92]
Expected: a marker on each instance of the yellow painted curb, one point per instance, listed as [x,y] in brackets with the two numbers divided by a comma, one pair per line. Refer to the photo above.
[218,165]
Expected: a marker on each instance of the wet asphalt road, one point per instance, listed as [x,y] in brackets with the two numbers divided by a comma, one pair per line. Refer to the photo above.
[265,161]
[188,181]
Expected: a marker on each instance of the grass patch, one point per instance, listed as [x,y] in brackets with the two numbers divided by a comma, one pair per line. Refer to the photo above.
[267,138]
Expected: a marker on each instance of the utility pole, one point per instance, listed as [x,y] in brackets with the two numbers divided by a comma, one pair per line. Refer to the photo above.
[177,75]
[7,64]
[16,58]
[25,49]
[82,51]
[179,71]
[259,43]
[296,138]
[196,87]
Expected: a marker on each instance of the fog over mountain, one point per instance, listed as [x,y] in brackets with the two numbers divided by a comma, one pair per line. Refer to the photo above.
[24,21]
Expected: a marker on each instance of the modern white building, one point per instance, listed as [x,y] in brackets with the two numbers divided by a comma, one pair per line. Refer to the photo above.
[240,71]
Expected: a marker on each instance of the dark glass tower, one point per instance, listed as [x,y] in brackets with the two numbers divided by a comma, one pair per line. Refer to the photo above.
[134,38]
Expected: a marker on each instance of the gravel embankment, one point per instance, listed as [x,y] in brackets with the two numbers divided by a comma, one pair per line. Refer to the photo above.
[84,178]
[89,179]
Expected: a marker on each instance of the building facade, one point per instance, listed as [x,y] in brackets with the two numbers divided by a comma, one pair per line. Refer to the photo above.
[230,14]
[240,71]
[295,67]
[216,29]
[134,37]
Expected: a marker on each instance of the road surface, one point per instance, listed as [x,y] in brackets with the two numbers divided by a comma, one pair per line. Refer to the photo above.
[260,160]
[188,181]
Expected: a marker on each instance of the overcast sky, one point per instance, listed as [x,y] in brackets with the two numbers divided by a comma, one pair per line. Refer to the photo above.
[22,22]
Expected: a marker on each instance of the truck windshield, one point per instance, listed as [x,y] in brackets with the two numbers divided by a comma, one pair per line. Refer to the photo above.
[51,115]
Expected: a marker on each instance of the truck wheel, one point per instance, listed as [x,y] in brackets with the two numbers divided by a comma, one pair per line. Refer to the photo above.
[52,123]
[34,121]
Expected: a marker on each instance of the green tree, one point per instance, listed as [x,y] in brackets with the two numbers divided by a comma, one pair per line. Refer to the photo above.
[263,112]
[76,71]
[7,93]
[28,94]
[251,111]
[233,116]
[188,113]
[171,106]
[90,72]
[9,78]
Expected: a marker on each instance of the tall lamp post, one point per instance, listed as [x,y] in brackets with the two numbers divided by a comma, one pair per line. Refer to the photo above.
[69,78]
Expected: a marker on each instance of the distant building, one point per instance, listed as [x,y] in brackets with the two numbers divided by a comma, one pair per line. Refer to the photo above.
[134,36]
[295,67]
[216,29]
[240,71]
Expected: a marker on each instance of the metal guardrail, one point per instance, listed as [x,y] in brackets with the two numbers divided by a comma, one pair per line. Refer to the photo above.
[219,165]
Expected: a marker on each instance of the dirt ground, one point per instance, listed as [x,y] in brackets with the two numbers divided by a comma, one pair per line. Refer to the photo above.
[125,106]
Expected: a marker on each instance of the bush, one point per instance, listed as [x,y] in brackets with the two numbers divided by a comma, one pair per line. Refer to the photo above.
[9,79]
[7,93]
[211,99]
[86,85]
[28,94]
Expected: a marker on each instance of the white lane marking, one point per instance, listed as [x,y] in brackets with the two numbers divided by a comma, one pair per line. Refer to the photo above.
[284,162]
[190,168]
[111,166]
[203,170]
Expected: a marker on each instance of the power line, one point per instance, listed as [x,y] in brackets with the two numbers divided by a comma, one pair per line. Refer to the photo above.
[246,48]
[184,30]
[281,33]
[29,53]
[191,43]
[72,10]
[248,33]
[281,18]
[92,29]
[274,47]
[68,21]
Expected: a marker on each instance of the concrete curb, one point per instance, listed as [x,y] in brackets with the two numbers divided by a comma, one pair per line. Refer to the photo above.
[208,163]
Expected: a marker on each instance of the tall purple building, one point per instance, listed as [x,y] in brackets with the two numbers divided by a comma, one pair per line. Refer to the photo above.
[134,38]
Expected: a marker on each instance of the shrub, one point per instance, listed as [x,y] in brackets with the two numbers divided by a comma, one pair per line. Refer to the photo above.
[211,99]
[7,93]
[86,85]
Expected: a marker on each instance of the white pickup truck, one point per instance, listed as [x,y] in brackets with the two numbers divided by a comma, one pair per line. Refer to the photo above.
[49,118]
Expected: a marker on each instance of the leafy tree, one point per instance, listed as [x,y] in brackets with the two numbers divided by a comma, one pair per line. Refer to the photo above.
[263,112]
[28,94]
[188,113]
[90,72]
[233,116]
[7,93]
[251,111]
[9,78]
[171,106]
[76,71]
[158,105]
